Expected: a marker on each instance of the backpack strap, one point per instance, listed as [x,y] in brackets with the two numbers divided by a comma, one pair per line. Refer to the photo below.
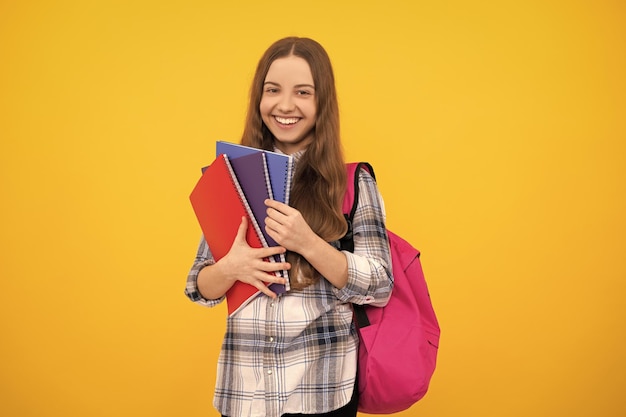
[351,199]
[350,203]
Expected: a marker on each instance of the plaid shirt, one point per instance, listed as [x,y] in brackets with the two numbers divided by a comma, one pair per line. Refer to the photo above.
[298,353]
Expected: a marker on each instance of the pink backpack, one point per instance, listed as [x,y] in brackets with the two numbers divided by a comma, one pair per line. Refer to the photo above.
[398,342]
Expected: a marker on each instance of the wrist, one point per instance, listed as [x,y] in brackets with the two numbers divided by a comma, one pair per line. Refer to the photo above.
[223,270]
[312,246]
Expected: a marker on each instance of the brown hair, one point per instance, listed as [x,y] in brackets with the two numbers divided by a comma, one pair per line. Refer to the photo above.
[319,182]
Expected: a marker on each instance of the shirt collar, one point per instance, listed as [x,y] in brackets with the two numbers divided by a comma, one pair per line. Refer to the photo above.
[296,155]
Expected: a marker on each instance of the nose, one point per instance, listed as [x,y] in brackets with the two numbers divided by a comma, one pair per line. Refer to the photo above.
[286,104]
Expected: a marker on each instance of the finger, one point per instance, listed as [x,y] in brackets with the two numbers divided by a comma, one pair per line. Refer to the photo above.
[274,234]
[271,278]
[277,205]
[243,228]
[273,203]
[271,225]
[277,221]
[264,289]
[273,214]
[274,266]
[270,251]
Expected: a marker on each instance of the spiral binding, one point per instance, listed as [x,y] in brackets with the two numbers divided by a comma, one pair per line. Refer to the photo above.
[251,218]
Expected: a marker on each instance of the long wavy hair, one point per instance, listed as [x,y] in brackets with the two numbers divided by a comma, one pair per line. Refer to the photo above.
[319,181]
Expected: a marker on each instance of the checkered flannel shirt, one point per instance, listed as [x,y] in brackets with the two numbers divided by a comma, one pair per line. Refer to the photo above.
[298,353]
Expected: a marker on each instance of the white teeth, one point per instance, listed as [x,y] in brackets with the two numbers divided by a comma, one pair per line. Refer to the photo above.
[285,121]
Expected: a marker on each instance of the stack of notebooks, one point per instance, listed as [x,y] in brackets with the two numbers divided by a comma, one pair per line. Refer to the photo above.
[235,185]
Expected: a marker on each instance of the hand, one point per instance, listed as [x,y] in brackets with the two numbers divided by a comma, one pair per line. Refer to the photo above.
[246,264]
[287,227]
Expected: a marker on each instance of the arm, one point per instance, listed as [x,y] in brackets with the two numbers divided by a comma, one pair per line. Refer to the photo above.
[370,277]
[328,261]
[286,226]
[361,277]
[209,281]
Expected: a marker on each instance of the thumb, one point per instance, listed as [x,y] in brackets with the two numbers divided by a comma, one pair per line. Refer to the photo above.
[243,228]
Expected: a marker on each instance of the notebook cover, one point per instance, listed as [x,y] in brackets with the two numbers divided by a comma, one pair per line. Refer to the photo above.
[219,205]
[252,174]
[280,166]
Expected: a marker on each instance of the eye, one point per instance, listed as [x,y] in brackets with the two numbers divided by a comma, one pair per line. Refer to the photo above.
[271,90]
[303,93]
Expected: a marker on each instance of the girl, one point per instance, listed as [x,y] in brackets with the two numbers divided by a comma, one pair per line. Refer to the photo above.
[297,353]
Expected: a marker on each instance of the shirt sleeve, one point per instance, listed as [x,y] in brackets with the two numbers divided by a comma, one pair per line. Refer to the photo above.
[203,258]
[370,277]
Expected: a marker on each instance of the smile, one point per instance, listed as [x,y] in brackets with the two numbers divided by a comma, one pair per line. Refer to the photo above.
[286,121]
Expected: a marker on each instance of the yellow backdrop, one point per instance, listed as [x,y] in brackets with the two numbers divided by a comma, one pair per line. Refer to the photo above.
[496,129]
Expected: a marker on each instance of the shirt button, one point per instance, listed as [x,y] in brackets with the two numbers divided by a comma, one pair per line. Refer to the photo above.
[269,372]
[271,338]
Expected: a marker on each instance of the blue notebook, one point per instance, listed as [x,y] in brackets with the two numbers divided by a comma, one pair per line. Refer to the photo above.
[280,167]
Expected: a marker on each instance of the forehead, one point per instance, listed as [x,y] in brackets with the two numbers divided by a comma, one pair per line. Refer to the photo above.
[290,70]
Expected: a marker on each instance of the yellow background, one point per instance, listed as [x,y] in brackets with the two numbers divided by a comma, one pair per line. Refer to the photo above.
[497,131]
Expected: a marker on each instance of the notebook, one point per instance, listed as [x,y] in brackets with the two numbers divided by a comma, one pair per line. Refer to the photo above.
[219,204]
[252,173]
[280,166]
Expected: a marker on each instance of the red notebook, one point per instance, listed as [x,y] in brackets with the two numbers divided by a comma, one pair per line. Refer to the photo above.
[219,204]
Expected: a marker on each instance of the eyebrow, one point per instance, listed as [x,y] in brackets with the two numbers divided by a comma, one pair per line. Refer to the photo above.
[295,86]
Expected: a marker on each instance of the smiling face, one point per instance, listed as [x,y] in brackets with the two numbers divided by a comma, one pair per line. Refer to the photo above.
[288,104]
